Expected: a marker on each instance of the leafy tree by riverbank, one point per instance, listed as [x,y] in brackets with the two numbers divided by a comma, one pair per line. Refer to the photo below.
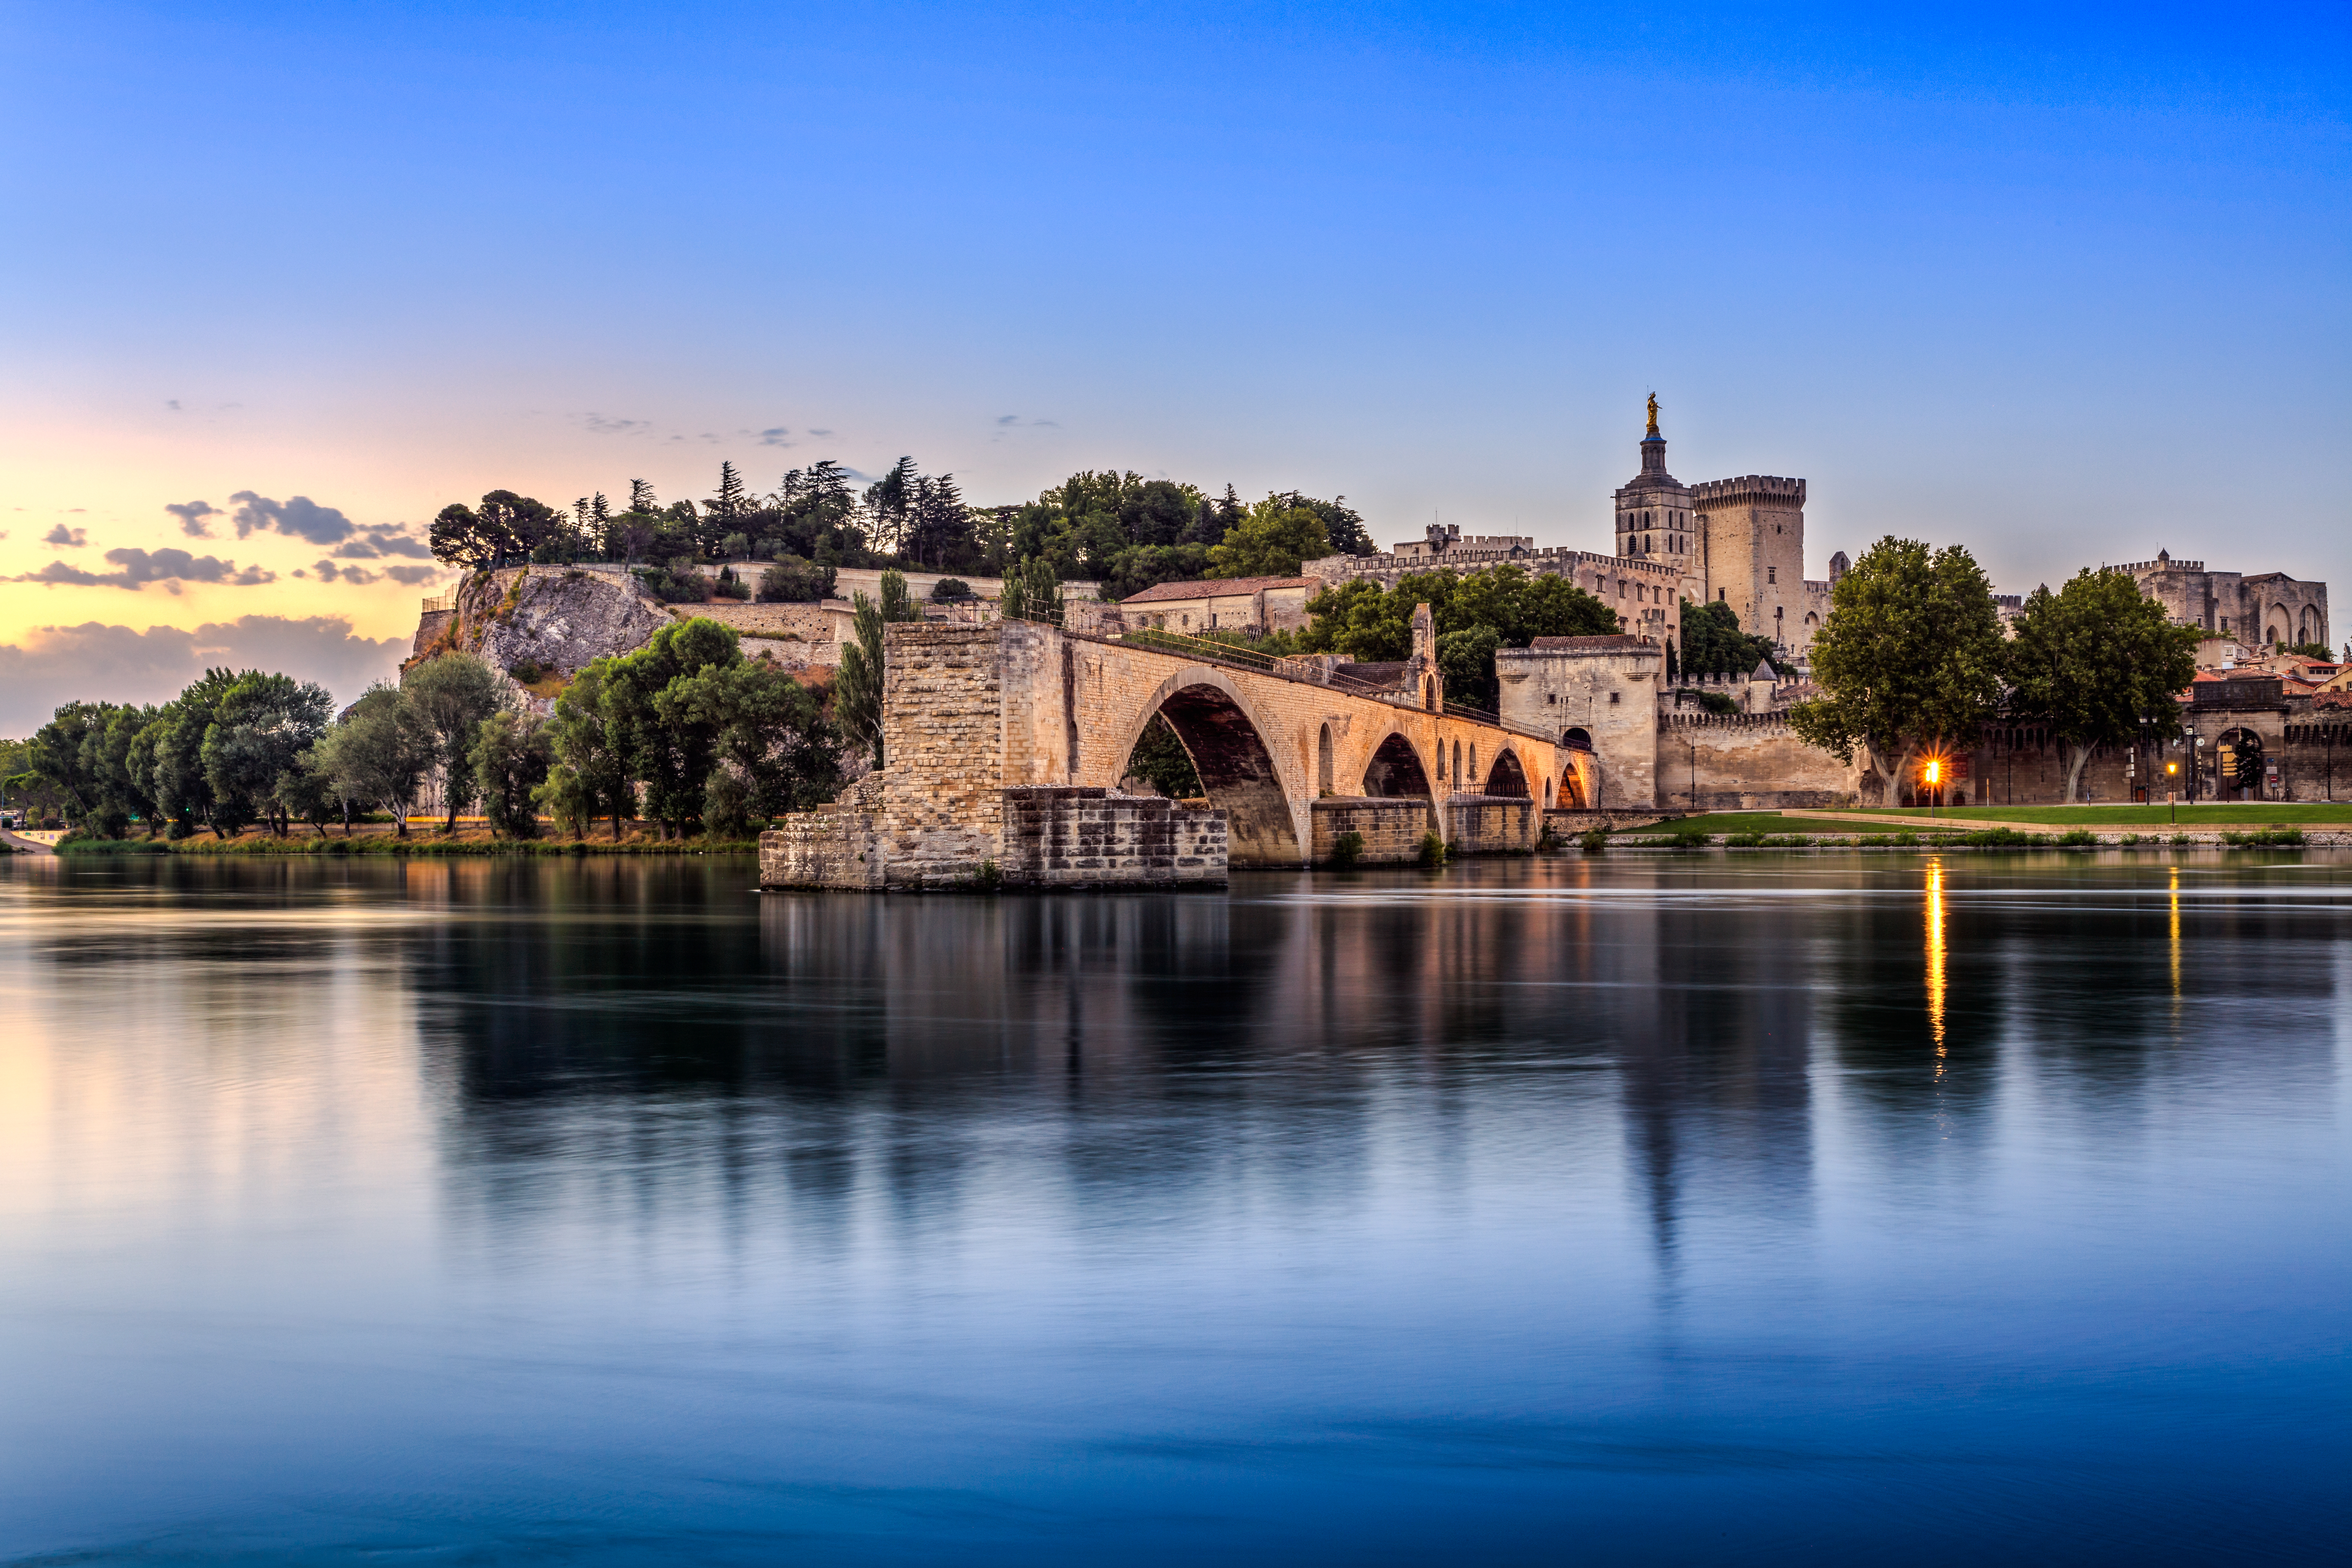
[1476,613]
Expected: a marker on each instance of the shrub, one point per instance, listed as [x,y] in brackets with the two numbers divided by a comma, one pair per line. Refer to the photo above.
[1347,849]
[1744,841]
[2130,838]
[793,581]
[1594,840]
[2264,838]
[527,670]
[2078,838]
[672,588]
[1996,839]
[950,590]
[2182,839]
[731,586]
[1906,839]
[1790,841]
[988,878]
[1712,702]
[1433,849]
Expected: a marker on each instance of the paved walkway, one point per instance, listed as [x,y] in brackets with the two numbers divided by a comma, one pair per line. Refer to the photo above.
[30,846]
[1967,824]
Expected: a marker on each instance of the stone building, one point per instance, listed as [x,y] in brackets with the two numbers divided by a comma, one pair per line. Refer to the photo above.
[2266,608]
[1254,604]
[1595,694]
[1738,542]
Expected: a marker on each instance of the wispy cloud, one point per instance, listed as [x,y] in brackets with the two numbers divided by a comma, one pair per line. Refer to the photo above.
[66,538]
[300,516]
[50,665]
[772,437]
[1008,424]
[606,425]
[192,514]
[137,568]
[376,540]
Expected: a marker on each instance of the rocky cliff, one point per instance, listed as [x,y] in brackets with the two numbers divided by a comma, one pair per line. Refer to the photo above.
[558,617]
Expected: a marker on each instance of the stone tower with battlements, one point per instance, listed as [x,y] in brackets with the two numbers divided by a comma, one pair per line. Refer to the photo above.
[1753,530]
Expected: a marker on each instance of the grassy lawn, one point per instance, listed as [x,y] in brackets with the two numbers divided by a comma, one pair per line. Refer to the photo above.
[1771,822]
[2229,816]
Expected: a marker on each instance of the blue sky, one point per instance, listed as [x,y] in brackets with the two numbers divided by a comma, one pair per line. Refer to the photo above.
[2064,286]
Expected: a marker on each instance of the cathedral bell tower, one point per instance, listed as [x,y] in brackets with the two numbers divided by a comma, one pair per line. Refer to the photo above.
[1654,512]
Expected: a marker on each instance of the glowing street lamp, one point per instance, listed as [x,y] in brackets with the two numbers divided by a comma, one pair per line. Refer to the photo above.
[2172,796]
[1932,776]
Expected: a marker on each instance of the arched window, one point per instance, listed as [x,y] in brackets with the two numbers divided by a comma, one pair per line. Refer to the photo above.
[1458,761]
[1474,762]
[1323,762]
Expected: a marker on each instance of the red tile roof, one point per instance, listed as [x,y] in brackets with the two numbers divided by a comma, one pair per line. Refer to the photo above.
[1217,588]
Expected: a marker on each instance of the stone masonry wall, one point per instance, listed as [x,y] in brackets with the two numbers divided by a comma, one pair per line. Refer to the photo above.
[1074,836]
[1392,829]
[1492,826]
[1744,762]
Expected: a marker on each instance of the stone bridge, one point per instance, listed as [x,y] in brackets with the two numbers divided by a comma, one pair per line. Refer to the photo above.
[1005,744]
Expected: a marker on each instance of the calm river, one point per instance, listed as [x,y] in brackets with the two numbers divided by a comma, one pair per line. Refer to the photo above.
[1761,1209]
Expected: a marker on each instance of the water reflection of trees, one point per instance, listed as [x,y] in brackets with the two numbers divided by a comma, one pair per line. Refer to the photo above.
[1146,1048]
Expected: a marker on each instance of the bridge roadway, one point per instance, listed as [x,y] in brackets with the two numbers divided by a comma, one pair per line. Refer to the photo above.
[1268,742]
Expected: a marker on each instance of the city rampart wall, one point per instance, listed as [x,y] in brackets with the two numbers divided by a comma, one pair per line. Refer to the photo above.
[1744,762]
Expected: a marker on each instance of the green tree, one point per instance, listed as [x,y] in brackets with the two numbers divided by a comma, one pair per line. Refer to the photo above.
[2099,664]
[939,526]
[378,752]
[1271,541]
[506,528]
[888,502]
[1466,661]
[774,752]
[591,775]
[724,513]
[1911,659]
[1713,644]
[1139,566]
[669,754]
[261,727]
[857,691]
[168,756]
[1475,613]
[792,581]
[511,757]
[61,754]
[451,695]
[1032,592]
[1160,761]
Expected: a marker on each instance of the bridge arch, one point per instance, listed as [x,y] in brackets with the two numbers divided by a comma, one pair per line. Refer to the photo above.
[1227,742]
[1395,771]
[1507,776]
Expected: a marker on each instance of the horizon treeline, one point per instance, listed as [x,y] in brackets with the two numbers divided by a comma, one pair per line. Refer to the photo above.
[1120,530]
[684,733]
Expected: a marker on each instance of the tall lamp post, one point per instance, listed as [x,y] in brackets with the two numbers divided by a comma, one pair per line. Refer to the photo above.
[2171,796]
[1932,776]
